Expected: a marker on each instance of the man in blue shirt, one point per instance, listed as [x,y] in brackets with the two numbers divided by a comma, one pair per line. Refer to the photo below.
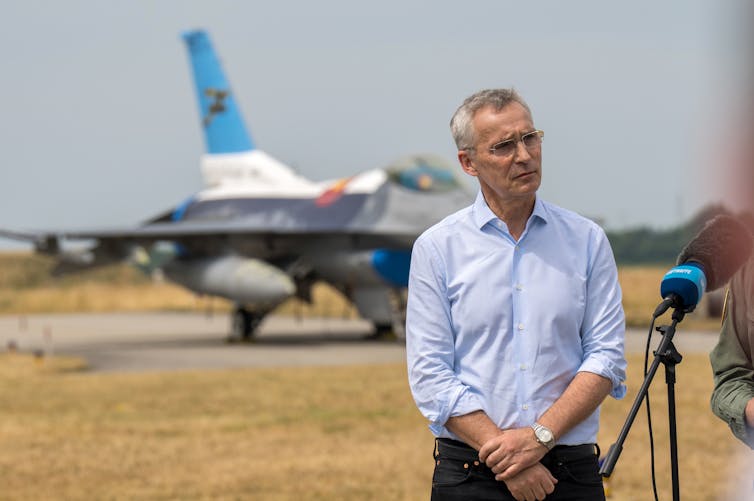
[514,328]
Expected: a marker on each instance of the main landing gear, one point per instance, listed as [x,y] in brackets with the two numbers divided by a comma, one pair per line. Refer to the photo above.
[244,324]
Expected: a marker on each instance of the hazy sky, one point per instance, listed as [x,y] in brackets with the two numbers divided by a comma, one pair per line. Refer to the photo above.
[100,125]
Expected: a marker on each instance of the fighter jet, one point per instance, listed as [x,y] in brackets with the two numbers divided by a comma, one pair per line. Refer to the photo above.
[258,233]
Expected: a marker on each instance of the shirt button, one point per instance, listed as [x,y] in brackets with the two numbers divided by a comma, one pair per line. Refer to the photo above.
[519,287]
[523,367]
[525,407]
[520,327]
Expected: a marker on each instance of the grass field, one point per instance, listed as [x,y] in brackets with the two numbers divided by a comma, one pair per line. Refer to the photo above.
[304,433]
[338,433]
[26,287]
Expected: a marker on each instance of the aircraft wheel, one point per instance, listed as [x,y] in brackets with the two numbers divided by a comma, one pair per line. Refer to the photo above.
[383,332]
[242,325]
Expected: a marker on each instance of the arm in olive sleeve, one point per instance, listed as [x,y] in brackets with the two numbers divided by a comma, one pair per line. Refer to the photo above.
[732,365]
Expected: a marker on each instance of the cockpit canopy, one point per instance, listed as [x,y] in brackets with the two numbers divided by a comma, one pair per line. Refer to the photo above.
[425,173]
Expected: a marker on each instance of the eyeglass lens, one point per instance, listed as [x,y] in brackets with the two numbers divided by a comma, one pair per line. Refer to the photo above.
[530,140]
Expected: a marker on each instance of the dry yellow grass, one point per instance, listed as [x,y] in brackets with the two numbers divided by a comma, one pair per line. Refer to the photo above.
[96,297]
[25,287]
[263,434]
[706,447]
[337,433]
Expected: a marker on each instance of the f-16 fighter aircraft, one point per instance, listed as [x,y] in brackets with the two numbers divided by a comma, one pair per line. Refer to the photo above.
[259,233]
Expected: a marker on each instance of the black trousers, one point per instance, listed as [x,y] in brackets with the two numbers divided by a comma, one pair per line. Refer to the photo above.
[459,475]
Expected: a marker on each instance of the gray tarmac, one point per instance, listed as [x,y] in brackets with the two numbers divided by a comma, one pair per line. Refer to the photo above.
[131,342]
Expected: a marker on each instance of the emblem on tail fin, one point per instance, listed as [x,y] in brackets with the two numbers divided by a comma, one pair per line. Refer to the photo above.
[216,106]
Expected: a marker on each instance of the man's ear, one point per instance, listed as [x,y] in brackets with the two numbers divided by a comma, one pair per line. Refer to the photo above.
[466,163]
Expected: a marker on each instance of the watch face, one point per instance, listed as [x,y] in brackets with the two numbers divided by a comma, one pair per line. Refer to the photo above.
[545,435]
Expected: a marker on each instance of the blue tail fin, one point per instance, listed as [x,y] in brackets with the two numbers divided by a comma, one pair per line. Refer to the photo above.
[224,129]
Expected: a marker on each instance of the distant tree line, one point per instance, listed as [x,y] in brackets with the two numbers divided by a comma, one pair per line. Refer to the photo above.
[647,246]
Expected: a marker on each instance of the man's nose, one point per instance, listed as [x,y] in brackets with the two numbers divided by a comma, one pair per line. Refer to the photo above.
[522,153]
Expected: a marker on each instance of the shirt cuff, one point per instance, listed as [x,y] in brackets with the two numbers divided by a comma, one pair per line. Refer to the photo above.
[461,403]
[734,413]
[608,370]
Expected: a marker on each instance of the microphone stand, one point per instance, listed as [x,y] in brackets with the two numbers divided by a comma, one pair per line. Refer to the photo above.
[666,354]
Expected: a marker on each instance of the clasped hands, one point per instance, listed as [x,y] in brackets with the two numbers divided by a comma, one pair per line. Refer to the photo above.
[514,457]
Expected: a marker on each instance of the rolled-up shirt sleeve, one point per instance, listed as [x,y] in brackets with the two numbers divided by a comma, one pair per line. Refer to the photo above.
[603,327]
[430,347]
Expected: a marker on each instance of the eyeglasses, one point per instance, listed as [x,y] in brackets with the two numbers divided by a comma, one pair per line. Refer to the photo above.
[508,147]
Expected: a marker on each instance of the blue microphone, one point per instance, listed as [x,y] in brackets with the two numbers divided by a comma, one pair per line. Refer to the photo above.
[706,263]
[682,287]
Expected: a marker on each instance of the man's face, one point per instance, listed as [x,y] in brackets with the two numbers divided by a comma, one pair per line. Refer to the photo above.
[505,177]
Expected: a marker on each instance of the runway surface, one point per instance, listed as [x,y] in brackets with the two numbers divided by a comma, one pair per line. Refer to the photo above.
[126,342]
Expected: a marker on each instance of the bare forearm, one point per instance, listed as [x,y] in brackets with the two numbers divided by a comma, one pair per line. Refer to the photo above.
[474,429]
[750,413]
[582,397]
[512,451]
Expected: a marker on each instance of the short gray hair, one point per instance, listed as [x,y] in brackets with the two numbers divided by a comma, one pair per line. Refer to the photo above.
[460,124]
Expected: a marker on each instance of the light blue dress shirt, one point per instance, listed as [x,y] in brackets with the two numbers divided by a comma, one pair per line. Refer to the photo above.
[504,326]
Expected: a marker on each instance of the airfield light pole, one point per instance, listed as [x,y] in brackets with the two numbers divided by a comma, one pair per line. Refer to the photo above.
[666,354]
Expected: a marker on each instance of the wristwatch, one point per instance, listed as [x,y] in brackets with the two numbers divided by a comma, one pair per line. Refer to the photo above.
[544,435]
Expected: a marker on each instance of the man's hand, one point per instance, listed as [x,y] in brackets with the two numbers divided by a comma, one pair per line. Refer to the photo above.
[534,483]
[750,413]
[511,452]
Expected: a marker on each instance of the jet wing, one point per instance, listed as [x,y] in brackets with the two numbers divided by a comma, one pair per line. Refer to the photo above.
[43,241]
[189,229]
[200,237]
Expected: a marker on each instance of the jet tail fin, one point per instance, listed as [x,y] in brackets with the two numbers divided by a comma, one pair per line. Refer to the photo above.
[224,128]
[232,157]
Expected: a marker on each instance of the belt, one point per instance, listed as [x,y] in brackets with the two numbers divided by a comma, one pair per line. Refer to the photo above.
[453,449]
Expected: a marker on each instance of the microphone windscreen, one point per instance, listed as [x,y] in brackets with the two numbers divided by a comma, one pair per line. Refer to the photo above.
[722,246]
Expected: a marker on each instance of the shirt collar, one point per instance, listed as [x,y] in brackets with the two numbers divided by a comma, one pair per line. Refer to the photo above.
[482,213]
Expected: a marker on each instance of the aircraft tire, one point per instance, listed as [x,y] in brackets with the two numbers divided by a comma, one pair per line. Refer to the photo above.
[383,332]
[243,325]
